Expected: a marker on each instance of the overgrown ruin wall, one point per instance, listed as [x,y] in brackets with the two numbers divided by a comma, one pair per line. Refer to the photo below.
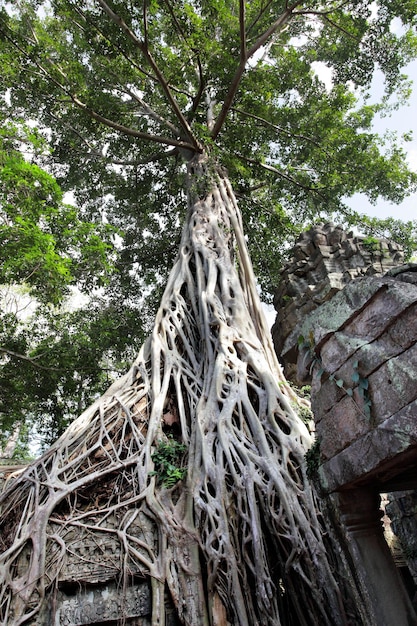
[366,332]
[324,260]
[360,353]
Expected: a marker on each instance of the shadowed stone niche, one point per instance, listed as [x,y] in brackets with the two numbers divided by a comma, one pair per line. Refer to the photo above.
[324,260]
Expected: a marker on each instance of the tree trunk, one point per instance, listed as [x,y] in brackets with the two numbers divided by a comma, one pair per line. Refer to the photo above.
[11,443]
[237,538]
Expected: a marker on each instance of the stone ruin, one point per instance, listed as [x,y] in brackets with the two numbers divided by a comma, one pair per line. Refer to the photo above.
[361,332]
[323,260]
[359,352]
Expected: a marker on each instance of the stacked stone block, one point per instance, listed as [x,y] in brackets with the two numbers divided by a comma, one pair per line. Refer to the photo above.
[324,260]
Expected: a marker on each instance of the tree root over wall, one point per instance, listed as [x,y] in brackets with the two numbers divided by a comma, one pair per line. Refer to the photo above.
[237,540]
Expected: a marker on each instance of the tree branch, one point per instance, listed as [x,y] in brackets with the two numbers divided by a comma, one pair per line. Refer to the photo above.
[201,82]
[130,131]
[242,20]
[93,114]
[258,17]
[119,49]
[32,361]
[318,12]
[338,27]
[114,45]
[201,86]
[147,110]
[99,154]
[277,25]
[279,129]
[271,168]
[143,47]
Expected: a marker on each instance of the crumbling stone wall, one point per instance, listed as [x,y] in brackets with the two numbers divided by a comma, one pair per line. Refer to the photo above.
[402,511]
[363,345]
[361,350]
[323,261]
[366,335]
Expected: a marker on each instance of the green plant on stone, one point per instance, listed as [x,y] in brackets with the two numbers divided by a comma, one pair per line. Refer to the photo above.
[312,458]
[363,389]
[304,413]
[304,391]
[371,244]
[361,382]
[168,460]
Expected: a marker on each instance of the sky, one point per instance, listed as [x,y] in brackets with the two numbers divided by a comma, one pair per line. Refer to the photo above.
[403,120]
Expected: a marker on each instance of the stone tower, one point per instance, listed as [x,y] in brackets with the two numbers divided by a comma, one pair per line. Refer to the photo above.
[324,259]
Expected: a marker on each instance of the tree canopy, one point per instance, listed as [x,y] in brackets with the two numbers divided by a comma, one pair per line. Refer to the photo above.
[124,93]
[53,359]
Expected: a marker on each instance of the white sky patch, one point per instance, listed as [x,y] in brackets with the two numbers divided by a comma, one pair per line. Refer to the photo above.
[412,158]
[374,10]
[15,299]
[324,73]
[69,198]
[396,26]
[270,313]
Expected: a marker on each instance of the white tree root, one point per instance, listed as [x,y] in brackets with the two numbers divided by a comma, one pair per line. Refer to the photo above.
[209,377]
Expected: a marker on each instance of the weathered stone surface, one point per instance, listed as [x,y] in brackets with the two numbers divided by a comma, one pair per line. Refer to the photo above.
[352,424]
[383,452]
[402,510]
[325,259]
[363,349]
[381,583]
[366,333]
[99,561]
[393,386]
[347,311]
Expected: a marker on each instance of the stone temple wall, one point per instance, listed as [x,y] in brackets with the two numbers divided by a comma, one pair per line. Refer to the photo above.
[361,359]
[355,303]
[324,260]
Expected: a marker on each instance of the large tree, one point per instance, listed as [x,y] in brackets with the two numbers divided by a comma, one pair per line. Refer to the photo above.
[162,114]
[284,174]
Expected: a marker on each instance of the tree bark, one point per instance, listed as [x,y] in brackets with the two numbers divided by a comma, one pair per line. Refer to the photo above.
[208,378]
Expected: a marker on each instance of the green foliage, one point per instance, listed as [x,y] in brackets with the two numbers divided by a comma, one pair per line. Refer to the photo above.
[43,242]
[168,459]
[370,243]
[358,381]
[305,413]
[54,363]
[404,233]
[312,458]
[363,389]
[317,143]
[304,391]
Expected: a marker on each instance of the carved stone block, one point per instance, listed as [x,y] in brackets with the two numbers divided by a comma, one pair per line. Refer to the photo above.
[98,605]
